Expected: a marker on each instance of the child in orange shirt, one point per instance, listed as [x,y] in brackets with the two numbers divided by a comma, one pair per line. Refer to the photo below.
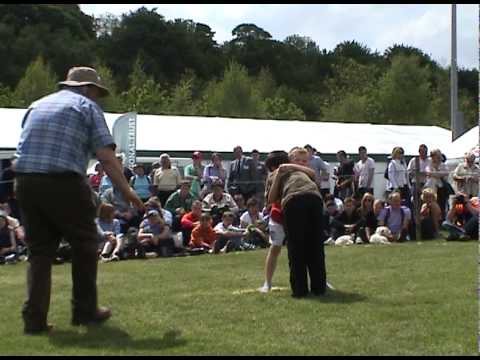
[203,235]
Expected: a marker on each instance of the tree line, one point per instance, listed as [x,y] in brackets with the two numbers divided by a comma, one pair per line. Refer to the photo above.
[158,66]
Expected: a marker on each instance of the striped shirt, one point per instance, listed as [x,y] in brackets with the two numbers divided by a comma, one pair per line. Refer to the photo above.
[60,133]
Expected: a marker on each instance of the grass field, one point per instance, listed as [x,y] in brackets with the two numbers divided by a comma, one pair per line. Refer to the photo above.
[418,298]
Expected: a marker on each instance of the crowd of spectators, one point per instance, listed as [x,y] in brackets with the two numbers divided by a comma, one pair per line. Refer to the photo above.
[210,209]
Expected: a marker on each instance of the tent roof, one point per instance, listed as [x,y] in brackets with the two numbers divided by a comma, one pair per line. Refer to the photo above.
[188,133]
[467,142]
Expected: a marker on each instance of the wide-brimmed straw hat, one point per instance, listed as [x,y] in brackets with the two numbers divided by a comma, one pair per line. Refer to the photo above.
[81,76]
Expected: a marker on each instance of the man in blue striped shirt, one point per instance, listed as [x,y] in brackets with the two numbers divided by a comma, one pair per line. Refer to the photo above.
[60,133]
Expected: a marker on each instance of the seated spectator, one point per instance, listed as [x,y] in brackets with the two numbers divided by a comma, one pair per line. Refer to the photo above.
[179,203]
[203,235]
[213,172]
[154,204]
[124,211]
[110,235]
[105,184]
[190,220]
[466,176]
[96,178]
[252,221]
[338,202]
[141,183]
[330,213]
[154,235]
[368,218]
[462,219]
[242,207]
[18,228]
[430,215]
[229,237]
[8,245]
[396,217]
[166,179]
[219,202]
[378,206]
[348,222]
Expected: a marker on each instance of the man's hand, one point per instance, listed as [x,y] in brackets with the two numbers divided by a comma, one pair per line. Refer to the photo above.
[136,201]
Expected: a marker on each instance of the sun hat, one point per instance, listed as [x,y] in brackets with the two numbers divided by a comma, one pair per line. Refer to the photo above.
[81,76]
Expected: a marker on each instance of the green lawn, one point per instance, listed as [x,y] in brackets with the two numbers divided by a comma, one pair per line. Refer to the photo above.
[404,299]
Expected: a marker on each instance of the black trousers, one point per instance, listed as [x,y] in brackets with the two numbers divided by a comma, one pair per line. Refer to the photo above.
[55,207]
[304,229]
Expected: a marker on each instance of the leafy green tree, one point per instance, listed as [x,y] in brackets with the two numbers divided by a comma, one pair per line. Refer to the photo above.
[280,109]
[38,81]
[181,101]
[404,92]
[233,95]
[144,95]
[246,32]
[111,103]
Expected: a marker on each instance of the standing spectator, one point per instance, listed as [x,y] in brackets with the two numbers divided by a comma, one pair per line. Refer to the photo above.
[166,179]
[6,181]
[59,132]
[437,173]
[397,176]
[424,161]
[190,220]
[364,172]
[96,178]
[155,167]
[345,175]
[219,202]
[241,175]
[302,208]
[430,215]
[466,176]
[320,167]
[396,217]
[179,203]
[141,183]
[194,173]
[213,171]
[260,175]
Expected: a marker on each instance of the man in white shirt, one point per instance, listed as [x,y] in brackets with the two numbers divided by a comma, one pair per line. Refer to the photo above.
[364,172]
[321,169]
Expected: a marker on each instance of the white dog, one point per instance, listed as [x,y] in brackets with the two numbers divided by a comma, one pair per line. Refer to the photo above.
[345,240]
[381,236]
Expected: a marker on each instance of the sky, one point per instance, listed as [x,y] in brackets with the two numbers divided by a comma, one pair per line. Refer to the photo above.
[377,26]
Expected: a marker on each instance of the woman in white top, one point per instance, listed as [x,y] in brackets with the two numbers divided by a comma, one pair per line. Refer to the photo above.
[437,173]
[397,175]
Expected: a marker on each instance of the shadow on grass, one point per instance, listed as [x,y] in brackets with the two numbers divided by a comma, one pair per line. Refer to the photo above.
[103,337]
[337,296]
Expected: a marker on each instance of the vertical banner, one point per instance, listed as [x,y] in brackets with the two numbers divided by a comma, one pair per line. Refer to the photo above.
[124,133]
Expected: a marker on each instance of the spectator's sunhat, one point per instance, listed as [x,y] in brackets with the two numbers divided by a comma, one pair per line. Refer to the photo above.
[136,166]
[81,76]
[217,182]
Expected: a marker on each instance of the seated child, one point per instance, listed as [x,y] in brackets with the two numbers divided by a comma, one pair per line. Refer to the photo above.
[203,235]
[229,237]
[111,237]
[252,220]
[154,235]
[396,217]
[190,220]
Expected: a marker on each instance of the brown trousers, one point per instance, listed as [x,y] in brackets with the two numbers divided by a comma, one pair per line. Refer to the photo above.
[56,206]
